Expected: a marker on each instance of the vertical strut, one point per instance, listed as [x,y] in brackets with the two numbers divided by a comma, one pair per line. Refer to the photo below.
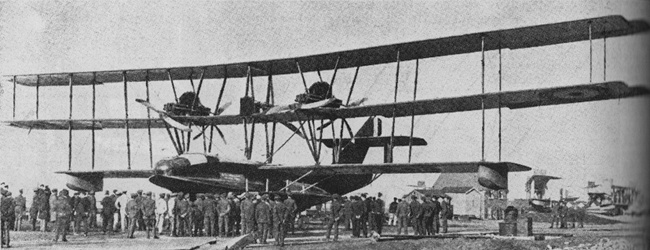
[415,92]
[246,146]
[604,58]
[198,90]
[590,54]
[126,121]
[176,147]
[389,158]
[336,68]
[146,84]
[171,80]
[38,84]
[482,99]
[500,75]
[13,116]
[93,126]
[70,127]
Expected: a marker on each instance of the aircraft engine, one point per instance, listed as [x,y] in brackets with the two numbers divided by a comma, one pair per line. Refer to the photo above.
[493,177]
[87,183]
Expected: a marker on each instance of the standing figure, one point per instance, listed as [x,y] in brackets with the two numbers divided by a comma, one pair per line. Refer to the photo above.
[120,203]
[347,213]
[19,210]
[6,217]
[223,209]
[132,209]
[161,212]
[445,213]
[108,209]
[198,215]
[292,207]
[427,215]
[149,215]
[416,215]
[172,213]
[334,217]
[358,209]
[53,197]
[247,214]
[262,217]
[209,212]
[380,206]
[403,212]
[392,210]
[81,208]
[183,207]
[63,212]
[280,212]
[92,210]
[33,209]
[367,202]
[436,215]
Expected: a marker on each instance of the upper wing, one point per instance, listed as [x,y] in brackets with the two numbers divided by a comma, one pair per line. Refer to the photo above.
[509,99]
[394,168]
[525,37]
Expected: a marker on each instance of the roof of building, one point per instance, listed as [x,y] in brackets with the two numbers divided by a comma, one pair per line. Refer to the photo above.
[456,190]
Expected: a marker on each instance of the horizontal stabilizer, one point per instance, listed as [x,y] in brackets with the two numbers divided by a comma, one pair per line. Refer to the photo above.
[376,141]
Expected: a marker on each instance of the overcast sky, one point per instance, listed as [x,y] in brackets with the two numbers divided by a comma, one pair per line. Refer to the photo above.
[578,142]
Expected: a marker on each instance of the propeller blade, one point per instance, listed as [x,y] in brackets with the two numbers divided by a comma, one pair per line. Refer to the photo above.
[149,106]
[357,102]
[293,128]
[173,123]
[222,108]
[201,133]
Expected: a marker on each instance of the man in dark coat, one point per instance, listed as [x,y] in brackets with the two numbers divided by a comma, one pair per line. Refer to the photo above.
[335,217]
[81,208]
[6,217]
[290,203]
[209,213]
[247,214]
[149,214]
[33,209]
[132,210]
[403,212]
[108,209]
[19,209]
[416,215]
[436,215]
[347,213]
[63,212]
[358,209]
[223,209]
[280,213]
[427,215]
[183,207]
[445,213]
[263,218]
[92,210]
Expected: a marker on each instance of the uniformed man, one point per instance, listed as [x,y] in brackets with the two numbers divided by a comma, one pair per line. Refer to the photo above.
[120,203]
[209,212]
[183,214]
[149,215]
[44,207]
[416,215]
[392,211]
[223,210]
[19,210]
[334,217]
[436,215]
[235,215]
[280,213]
[445,213]
[81,208]
[403,212]
[271,228]
[33,209]
[358,209]
[563,211]
[379,212]
[366,214]
[290,203]
[347,213]
[108,209]
[247,213]
[172,210]
[161,212]
[53,197]
[198,216]
[92,210]
[6,217]
[427,215]
[63,212]
[262,217]
[132,209]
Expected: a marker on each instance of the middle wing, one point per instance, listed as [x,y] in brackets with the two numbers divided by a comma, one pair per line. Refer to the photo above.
[510,99]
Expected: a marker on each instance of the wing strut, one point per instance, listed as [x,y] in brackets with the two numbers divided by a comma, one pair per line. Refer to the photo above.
[388,158]
[13,111]
[146,84]
[93,125]
[70,128]
[482,99]
[500,75]
[415,92]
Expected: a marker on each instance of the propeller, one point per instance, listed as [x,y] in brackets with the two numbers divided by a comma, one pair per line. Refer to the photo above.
[217,112]
[165,117]
[351,105]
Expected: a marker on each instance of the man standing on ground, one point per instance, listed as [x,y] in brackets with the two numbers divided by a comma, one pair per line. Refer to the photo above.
[92,211]
[427,215]
[247,213]
[19,210]
[223,209]
[262,217]
[379,217]
[290,203]
[358,209]
[63,212]
[279,212]
[149,215]
[403,212]
[53,197]
[81,208]
[436,215]
[416,215]
[132,209]
[334,217]
[392,209]
[6,214]
[108,209]
[209,209]
[347,212]
[161,212]
[120,203]
[444,214]
[33,209]
[183,207]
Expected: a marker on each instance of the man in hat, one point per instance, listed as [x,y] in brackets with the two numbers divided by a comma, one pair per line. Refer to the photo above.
[63,212]
[183,214]
[290,203]
[81,208]
[347,212]
[223,209]
[161,212]
[392,210]
[19,210]
[120,203]
[379,213]
[416,216]
[209,212]
[44,207]
[6,217]
[247,213]
[53,198]
[280,213]
[403,212]
[149,214]
[132,209]
[139,218]
[33,210]
[358,209]
[172,210]
[108,209]
[92,210]
[334,217]
[263,217]
[427,215]
[445,213]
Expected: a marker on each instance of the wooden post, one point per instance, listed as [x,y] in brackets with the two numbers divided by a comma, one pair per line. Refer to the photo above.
[415,91]
[146,82]
[93,123]
[70,127]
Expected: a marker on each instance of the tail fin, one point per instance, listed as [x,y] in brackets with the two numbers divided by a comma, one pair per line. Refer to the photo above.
[355,152]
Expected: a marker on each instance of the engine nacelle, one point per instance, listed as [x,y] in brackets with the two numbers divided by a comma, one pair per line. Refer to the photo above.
[493,177]
[87,183]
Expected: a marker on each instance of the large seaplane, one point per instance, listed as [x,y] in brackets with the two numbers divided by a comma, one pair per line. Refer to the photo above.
[314,183]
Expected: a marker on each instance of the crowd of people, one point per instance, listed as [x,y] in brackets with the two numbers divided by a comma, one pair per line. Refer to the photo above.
[175,214]
[366,214]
